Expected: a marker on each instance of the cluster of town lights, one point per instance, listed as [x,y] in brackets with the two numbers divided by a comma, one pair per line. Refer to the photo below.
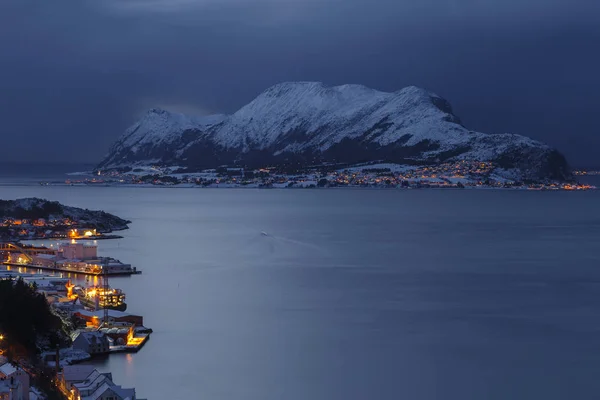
[74,233]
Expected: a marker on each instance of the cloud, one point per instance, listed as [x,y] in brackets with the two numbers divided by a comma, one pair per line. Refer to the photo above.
[81,71]
[155,5]
[333,11]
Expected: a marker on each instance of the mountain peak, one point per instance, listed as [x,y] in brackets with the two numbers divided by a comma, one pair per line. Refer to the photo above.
[157,111]
[283,87]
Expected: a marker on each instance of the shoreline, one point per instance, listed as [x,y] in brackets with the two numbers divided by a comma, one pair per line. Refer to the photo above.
[104,237]
[284,186]
[369,175]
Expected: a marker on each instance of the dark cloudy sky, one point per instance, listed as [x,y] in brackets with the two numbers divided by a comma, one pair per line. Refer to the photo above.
[75,73]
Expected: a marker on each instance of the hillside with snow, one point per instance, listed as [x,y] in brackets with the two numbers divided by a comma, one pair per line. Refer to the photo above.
[308,123]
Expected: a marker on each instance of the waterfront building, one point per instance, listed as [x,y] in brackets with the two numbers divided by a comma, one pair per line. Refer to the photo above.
[79,251]
[121,335]
[69,257]
[92,342]
[94,318]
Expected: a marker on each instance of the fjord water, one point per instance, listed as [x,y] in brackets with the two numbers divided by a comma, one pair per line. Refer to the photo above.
[356,294]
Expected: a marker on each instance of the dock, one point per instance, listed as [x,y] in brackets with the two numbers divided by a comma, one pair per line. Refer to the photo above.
[132,271]
[135,344]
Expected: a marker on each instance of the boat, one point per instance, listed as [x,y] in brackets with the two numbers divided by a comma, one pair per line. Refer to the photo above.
[98,297]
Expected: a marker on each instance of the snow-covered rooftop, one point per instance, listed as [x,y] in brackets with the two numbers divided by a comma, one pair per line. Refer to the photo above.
[7,369]
[77,373]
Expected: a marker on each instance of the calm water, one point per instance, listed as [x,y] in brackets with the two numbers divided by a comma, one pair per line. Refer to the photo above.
[14,174]
[356,294]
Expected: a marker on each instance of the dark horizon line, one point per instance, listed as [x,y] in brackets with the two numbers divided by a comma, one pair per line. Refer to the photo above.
[94,164]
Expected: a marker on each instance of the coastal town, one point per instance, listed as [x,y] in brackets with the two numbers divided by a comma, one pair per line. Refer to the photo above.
[33,218]
[461,174]
[26,229]
[81,316]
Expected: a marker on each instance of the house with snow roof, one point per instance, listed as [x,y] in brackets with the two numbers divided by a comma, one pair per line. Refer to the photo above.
[14,382]
[92,342]
[84,382]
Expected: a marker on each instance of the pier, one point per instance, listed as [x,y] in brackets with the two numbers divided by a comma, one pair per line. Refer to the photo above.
[134,345]
[133,271]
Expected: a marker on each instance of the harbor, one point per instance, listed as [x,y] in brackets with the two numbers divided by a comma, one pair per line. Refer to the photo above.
[62,273]
[103,326]
[67,311]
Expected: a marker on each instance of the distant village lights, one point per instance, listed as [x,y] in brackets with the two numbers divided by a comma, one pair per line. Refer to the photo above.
[451,174]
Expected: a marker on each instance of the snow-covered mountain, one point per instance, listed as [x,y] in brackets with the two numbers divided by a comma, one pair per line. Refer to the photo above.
[306,123]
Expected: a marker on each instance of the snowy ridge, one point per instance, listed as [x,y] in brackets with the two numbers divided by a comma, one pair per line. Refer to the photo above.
[160,127]
[298,122]
[163,126]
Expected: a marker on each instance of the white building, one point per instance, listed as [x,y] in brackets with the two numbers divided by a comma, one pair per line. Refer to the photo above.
[11,389]
[79,251]
[13,382]
[92,342]
[86,383]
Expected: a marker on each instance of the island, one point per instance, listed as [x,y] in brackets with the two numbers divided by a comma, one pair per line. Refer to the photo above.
[311,135]
[295,128]
[34,218]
